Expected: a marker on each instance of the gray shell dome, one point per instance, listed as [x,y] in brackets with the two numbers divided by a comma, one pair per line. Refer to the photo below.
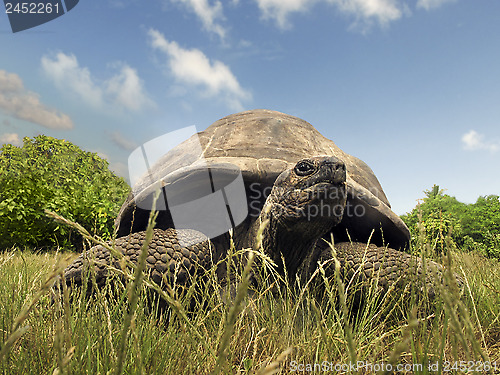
[263,143]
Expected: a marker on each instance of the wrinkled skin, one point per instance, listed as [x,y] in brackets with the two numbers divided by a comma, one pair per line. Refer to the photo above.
[361,265]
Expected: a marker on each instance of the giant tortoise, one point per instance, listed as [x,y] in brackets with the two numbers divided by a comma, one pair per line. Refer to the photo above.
[287,168]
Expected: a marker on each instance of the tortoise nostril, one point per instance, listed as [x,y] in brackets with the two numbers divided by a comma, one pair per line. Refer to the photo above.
[337,167]
[339,172]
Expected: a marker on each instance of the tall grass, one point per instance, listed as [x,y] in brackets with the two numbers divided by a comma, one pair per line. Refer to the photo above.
[281,328]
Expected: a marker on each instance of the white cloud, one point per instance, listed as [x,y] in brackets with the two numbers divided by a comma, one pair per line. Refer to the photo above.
[66,73]
[280,9]
[11,138]
[20,103]
[122,142]
[125,89]
[208,14]
[474,141]
[432,4]
[192,67]
[364,12]
[381,11]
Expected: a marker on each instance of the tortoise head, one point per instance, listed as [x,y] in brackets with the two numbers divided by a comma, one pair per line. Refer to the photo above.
[309,198]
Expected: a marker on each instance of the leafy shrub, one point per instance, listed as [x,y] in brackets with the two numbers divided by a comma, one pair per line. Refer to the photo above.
[482,223]
[54,174]
[472,227]
[436,217]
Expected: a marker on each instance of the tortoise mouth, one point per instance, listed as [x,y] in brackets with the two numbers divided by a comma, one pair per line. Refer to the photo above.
[327,189]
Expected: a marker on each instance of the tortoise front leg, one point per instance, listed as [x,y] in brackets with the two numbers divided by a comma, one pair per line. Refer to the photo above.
[167,259]
[391,268]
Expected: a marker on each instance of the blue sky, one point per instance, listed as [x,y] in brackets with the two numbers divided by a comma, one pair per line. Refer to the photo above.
[410,87]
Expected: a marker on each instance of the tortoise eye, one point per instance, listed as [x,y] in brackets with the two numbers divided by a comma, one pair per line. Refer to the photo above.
[304,168]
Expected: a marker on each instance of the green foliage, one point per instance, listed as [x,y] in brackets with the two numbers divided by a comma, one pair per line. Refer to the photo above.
[435,218]
[54,174]
[469,226]
[482,223]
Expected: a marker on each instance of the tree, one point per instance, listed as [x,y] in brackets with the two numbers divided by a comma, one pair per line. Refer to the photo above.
[469,226]
[482,225]
[54,174]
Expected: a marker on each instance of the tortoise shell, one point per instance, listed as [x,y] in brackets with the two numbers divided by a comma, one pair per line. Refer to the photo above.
[262,144]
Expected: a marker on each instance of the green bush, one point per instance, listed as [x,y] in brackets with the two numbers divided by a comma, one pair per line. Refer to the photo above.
[54,174]
[482,223]
[435,219]
[472,227]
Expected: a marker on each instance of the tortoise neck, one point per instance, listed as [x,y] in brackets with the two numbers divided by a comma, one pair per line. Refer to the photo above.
[278,241]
